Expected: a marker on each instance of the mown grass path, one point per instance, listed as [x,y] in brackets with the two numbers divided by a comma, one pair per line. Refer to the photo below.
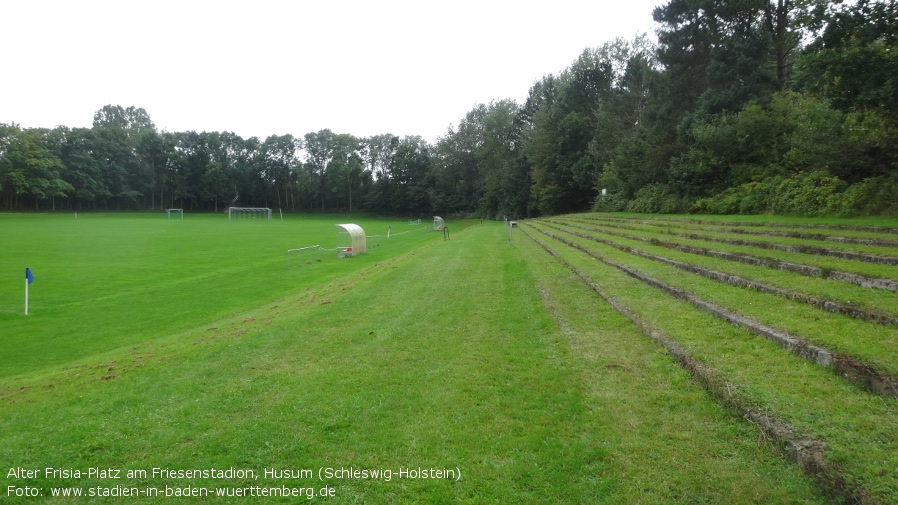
[469,355]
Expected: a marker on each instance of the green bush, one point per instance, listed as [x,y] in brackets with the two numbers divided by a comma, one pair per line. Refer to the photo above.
[876,196]
[749,198]
[814,193]
[724,203]
[612,202]
[656,198]
[758,196]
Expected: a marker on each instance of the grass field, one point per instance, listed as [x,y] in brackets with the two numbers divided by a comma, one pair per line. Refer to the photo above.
[107,280]
[496,371]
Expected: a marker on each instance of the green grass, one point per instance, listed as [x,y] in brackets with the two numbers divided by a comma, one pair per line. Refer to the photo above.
[875,344]
[103,281]
[814,229]
[829,263]
[654,415]
[848,294]
[855,426]
[766,219]
[469,355]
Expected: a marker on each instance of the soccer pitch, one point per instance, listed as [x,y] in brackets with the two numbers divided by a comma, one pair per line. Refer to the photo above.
[103,281]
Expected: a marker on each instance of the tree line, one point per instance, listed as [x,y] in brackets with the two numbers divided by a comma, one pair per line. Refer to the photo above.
[749,106]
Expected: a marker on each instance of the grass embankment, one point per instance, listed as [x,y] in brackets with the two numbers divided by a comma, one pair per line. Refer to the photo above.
[874,344]
[467,355]
[879,300]
[857,428]
[875,300]
[733,244]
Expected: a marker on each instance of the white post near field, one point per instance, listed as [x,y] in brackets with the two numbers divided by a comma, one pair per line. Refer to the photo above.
[28,279]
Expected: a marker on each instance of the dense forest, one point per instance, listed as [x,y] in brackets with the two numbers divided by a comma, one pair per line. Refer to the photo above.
[749,106]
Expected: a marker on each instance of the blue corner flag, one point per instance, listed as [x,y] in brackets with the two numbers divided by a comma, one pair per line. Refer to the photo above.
[28,275]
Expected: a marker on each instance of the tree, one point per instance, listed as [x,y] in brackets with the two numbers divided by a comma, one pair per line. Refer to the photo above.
[854,60]
[410,174]
[564,124]
[500,160]
[345,168]
[785,21]
[622,113]
[717,54]
[279,165]
[319,148]
[458,185]
[28,168]
[215,183]
[76,149]
[120,133]
[379,151]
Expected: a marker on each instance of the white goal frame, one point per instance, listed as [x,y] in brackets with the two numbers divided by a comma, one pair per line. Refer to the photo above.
[299,254]
[169,211]
[250,212]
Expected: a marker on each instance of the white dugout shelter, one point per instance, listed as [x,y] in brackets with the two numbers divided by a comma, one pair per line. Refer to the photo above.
[350,240]
[438,223]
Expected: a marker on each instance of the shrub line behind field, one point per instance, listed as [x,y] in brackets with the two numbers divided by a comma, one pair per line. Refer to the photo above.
[830,306]
[800,249]
[806,270]
[852,369]
[807,452]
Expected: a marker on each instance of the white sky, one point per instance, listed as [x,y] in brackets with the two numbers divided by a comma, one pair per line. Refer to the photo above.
[261,67]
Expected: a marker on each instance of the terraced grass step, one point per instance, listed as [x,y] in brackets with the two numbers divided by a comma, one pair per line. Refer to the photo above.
[861,371]
[875,255]
[806,452]
[853,426]
[827,270]
[827,305]
[748,222]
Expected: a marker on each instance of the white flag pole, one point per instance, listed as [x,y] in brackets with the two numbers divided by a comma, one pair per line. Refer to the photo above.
[26,296]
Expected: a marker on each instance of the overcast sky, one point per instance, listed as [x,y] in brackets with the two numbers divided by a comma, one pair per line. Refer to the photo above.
[263,67]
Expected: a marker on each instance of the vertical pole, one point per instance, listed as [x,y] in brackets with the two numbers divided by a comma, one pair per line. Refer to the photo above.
[510,228]
[26,296]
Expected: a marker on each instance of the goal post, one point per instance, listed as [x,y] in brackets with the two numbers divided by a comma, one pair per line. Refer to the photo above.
[300,251]
[235,213]
[168,212]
